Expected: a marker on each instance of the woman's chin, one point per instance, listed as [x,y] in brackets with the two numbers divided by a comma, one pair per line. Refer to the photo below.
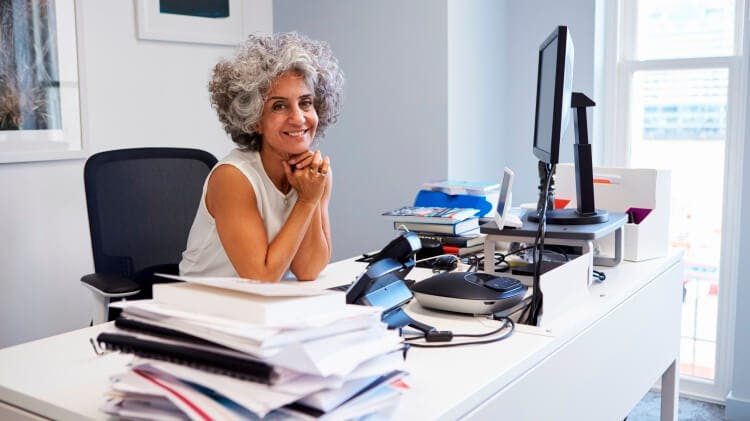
[299,147]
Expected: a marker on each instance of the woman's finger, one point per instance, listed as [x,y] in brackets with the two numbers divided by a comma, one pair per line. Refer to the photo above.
[317,160]
[301,160]
[325,166]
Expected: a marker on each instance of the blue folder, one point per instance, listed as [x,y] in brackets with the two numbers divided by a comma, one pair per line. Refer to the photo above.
[440,199]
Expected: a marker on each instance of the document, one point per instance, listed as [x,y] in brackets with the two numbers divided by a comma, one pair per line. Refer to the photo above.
[377,366]
[212,328]
[194,402]
[251,286]
[337,355]
[256,397]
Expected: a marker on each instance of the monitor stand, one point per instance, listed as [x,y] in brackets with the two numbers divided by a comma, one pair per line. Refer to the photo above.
[585,213]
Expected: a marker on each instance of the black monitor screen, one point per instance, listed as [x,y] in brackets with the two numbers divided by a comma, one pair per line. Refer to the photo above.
[553,94]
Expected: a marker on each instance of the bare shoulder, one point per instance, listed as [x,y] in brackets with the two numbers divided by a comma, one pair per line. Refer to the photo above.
[228,186]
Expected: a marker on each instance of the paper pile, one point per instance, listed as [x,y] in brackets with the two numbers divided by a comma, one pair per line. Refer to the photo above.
[339,363]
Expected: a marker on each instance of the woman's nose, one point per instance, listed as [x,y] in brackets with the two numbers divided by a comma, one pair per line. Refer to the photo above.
[296,114]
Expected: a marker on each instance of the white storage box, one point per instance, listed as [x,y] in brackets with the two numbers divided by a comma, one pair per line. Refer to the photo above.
[644,193]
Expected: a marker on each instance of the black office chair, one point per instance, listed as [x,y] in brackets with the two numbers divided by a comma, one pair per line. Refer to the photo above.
[141,203]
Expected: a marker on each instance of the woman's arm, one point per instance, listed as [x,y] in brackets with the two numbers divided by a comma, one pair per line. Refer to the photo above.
[230,199]
[315,250]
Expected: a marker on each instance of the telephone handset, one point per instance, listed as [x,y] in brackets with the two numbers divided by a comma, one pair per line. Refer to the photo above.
[382,284]
[395,260]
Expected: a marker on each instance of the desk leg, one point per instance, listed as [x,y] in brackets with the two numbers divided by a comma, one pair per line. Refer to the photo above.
[670,382]
[619,246]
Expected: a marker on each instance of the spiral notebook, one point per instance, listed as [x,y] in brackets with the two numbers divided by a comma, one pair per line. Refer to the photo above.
[208,357]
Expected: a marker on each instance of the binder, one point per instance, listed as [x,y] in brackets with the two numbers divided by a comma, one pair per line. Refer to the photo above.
[211,358]
[160,331]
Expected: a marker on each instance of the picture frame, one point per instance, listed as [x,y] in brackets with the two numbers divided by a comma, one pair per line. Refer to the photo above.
[40,106]
[192,22]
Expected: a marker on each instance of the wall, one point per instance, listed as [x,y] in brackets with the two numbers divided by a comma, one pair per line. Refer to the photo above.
[477,101]
[136,93]
[391,135]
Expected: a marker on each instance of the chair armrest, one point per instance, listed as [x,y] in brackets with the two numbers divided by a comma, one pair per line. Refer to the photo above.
[110,284]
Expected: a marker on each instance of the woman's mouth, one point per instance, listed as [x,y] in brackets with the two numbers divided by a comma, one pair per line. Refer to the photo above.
[296,133]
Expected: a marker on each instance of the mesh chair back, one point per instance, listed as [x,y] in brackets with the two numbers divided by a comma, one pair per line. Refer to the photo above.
[141,204]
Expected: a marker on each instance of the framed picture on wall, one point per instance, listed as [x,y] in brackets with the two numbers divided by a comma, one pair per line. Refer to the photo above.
[40,113]
[198,21]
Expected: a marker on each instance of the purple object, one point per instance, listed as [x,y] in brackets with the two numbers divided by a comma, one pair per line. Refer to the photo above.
[637,215]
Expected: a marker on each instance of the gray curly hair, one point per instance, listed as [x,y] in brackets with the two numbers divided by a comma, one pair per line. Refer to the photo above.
[239,85]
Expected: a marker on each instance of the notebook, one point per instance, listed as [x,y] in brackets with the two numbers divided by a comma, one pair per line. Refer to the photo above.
[182,349]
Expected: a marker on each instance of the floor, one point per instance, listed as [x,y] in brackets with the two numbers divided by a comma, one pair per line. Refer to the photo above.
[688,410]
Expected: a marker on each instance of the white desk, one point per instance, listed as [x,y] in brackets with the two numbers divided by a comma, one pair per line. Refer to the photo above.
[594,362]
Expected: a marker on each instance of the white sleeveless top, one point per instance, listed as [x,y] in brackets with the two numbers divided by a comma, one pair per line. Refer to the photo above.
[204,254]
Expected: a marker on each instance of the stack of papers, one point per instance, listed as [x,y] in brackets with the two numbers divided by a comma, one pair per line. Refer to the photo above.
[339,363]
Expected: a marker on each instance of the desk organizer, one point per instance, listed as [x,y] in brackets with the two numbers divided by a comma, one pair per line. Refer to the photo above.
[642,193]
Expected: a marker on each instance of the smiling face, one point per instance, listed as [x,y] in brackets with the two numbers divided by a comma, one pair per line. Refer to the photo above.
[289,118]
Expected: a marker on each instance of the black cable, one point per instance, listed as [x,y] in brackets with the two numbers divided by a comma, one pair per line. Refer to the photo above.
[473,261]
[537,299]
[500,258]
[465,335]
[506,322]
[558,250]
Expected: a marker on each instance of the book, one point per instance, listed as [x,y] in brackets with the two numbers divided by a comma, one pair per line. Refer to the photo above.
[247,307]
[465,240]
[432,215]
[457,228]
[463,251]
[214,359]
[475,188]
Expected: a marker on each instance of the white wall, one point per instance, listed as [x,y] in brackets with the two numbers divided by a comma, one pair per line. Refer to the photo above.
[421,102]
[477,100]
[136,93]
[392,133]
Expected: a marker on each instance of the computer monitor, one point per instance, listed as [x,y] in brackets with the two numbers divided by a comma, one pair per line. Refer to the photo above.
[554,87]
[554,99]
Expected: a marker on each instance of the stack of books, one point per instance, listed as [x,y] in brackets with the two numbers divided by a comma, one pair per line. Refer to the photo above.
[460,245]
[227,348]
[434,220]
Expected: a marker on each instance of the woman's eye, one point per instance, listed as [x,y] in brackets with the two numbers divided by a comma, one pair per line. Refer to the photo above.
[278,106]
[306,104]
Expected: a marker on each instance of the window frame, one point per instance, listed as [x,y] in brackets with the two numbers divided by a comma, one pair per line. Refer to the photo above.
[616,59]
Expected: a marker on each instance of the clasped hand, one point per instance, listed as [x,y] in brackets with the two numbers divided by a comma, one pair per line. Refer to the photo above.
[308,174]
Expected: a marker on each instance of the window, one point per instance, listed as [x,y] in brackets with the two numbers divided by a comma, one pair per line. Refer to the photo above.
[677,86]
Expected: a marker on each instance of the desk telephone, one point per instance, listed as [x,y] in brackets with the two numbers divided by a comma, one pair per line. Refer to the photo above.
[383,284]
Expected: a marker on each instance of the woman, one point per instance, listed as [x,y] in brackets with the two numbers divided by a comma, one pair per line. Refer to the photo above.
[264,209]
